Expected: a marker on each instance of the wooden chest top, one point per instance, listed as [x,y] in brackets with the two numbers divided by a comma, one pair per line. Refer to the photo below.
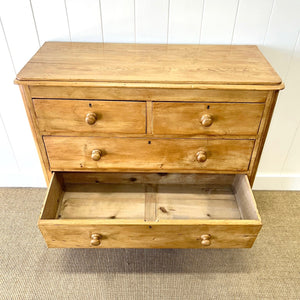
[157,65]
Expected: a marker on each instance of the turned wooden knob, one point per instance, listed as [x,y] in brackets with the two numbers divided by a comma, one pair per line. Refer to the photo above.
[96,239]
[91,118]
[96,154]
[201,156]
[206,120]
[205,239]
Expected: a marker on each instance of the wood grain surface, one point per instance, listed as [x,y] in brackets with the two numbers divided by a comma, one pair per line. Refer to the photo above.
[240,234]
[74,153]
[61,61]
[149,110]
[65,116]
[152,93]
[118,214]
[227,119]
[149,178]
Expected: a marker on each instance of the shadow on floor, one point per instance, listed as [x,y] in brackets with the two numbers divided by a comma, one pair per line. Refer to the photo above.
[156,260]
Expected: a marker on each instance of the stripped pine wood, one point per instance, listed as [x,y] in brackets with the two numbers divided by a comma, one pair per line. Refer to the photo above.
[35,132]
[152,235]
[147,154]
[245,198]
[162,113]
[150,202]
[149,63]
[143,211]
[110,201]
[53,198]
[64,116]
[194,202]
[189,118]
[262,134]
[203,180]
[178,86]
[151,93]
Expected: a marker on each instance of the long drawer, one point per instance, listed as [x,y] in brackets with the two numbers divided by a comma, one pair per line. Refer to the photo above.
[93,117]
[206,118]
[94,210]
[196,155]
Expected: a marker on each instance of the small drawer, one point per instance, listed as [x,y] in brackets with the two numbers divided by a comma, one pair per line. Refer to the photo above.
[89,116]
[207,118]
[141,154]
[111,210]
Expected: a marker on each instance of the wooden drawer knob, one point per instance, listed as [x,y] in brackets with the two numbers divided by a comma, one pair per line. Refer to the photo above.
[201,156]
[96,239]
[91,118]
[206,120]
[205,239]
[96,154]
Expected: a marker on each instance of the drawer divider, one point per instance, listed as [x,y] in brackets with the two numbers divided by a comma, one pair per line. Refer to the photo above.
[150,202]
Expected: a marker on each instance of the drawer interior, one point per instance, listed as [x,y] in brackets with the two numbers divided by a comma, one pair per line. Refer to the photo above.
[149,197]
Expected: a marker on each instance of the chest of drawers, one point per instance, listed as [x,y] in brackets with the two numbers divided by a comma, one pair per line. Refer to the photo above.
[149,146]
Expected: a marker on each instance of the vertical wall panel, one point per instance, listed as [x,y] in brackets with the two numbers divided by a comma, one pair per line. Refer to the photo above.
[292,163]
[84,20]
[118,20]
[51,20]
[291,113]
[7,160]
[151,21]
[20,30]
[282,34]
[185,21]
[252,21]
[279,47]
[218,21]
[14,115]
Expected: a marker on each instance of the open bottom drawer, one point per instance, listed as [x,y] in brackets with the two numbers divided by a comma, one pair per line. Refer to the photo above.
[121,210]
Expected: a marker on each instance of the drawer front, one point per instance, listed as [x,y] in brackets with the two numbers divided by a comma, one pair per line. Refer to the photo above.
[149,236]
[206,118]
[91,153]
[67,116]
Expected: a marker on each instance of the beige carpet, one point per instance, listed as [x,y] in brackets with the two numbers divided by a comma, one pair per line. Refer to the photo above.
[28,270]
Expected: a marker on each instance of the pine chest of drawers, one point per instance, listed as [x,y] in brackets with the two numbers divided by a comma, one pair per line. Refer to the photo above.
[149,146]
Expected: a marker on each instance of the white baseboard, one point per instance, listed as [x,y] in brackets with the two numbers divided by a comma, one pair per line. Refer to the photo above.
[277,182]
[262,182]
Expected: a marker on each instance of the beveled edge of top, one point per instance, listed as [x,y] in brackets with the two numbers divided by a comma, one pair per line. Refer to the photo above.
[279,85]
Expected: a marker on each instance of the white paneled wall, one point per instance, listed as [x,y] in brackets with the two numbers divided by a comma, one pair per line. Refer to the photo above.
[218,23]
[274,25]
[84,20]
[151,27]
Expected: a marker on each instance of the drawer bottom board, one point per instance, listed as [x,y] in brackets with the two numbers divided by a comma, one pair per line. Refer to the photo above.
[147,202]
